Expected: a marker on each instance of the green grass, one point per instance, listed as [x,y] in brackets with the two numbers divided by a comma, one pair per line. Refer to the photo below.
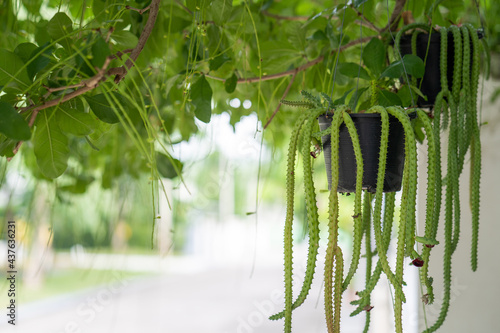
[62,281]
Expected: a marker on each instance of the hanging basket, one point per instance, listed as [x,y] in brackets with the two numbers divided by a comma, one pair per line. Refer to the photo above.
[368,126]
[430,84]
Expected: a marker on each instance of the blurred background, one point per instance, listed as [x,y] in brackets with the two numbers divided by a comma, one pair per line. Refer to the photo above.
[212,261]
[203,252]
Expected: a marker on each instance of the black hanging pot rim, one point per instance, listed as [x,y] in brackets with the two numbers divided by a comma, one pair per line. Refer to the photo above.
[368,126]
[431,82]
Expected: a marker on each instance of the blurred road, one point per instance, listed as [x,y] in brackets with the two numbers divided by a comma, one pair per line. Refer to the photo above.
[210,301]
[217,300]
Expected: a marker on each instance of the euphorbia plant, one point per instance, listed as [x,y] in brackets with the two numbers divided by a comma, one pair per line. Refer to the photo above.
[380,221]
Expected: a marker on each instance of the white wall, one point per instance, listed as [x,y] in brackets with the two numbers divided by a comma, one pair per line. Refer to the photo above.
[475,296]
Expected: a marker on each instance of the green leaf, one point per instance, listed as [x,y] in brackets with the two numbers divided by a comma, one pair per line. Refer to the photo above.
[39,62]
[168,167]
[201,98]
[230,84]
[59,26]
[41,35]
[418,126]
[50,145]
[405,95]
[197,5]
[358,3]
[387,98]
[218,61]
[12,71]
[353,70]
[374,56]
[221,10]
[105,110]
[427,241]
[100,51]
[170,83]
[7,146]
[75,122]
[296,35]
[318,35]
[12,124]
[125,39]
[353,102]
[277,48]
[394,70]
[414,65]
[33,6]
[24,51]
[341,100]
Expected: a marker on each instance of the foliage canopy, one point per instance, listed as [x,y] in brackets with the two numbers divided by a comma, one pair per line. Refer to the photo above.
[100,88]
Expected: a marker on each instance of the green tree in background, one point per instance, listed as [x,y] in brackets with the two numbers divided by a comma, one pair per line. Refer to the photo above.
[93,89]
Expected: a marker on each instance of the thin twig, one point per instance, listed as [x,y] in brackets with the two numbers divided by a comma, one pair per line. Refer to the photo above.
[364,22]
[284,18]
[93,82]
[148,28]
[282,98]
[292,71]
[119,54]
[184,7]
[395,16]
[140,11]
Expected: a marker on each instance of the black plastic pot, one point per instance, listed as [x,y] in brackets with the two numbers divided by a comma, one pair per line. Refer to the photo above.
[368,126]
[431,82]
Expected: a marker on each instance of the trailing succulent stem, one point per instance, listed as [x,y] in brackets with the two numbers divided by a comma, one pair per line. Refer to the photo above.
[377,210]
[311,208]
[288,237]
[331,314]
[430,218]
[358,223]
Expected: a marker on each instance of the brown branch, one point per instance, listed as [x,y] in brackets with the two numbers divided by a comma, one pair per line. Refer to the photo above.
[297,69]
[140,11]
[282,98]
[395,16]
[102,74]
[119,54]
[154,7]
[364,22]
[284,18]
[184,7]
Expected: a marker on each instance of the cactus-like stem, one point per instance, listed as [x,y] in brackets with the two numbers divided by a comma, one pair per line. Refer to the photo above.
[430,217]
[333,220]
[288,237]
[358,225]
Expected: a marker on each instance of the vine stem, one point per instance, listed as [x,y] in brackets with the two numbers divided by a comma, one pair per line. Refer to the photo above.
[282,98]
[364,22]
[295,70]
[395,16]
[102,74]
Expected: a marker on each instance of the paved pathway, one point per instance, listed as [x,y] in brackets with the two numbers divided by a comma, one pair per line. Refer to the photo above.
[211,301]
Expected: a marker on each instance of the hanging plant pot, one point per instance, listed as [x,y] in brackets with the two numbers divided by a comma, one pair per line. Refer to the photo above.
[430,84]
[368,126]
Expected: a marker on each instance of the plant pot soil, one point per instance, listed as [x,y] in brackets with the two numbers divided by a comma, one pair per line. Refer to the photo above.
[368,126]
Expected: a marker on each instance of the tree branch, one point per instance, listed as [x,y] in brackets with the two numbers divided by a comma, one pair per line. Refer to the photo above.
[93,82]
[297,69]
[364,21]
[154,7]
[395,16]
[282,98]
[140,11]
[284,18]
